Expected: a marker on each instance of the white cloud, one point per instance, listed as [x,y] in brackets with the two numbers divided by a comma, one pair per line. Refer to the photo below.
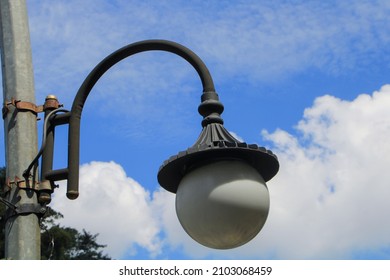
[330,199]
[114,206]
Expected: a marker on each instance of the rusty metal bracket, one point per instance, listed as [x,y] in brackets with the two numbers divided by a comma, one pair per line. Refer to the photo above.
[51,102]
[21,184]
[21,105]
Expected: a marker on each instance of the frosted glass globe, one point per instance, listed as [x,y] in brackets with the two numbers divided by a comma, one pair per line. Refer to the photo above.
[223,204]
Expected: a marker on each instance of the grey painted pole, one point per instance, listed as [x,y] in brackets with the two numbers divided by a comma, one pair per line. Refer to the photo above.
[22,233]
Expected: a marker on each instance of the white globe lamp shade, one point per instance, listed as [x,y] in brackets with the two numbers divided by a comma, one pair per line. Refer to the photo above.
[223,204]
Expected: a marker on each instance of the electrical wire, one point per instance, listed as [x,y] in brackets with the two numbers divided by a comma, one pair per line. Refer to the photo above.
[7,203]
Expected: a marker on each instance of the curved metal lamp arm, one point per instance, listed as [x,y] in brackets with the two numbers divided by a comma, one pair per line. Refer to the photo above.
[214,142]
[210,108]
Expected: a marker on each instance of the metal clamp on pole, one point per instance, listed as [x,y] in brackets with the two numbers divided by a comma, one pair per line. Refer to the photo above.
[23,209]
[51,103]
[21,105]
[21,184]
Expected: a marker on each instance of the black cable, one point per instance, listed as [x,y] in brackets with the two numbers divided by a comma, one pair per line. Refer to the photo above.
[7,203]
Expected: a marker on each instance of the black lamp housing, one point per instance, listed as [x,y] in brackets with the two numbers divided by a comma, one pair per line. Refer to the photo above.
[215,143]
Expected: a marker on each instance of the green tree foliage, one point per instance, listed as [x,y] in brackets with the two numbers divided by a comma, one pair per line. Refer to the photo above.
[58,242]
[66,243]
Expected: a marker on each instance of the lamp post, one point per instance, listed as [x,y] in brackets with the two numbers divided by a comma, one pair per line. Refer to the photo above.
[222,200]
[22,233]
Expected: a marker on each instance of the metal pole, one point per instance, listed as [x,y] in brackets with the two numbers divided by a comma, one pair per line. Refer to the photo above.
[22,233]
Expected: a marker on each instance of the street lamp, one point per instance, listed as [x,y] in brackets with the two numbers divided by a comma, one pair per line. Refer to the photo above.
[222,200]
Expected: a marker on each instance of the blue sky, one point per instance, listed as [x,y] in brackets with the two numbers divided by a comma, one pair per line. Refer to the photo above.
[307,79]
